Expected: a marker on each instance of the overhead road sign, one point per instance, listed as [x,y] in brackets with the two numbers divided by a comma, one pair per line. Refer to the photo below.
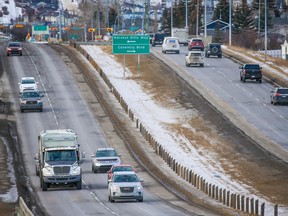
[130,44]
[40,29]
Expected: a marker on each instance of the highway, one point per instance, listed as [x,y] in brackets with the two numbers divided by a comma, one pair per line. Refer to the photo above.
[66,106]
[250,100]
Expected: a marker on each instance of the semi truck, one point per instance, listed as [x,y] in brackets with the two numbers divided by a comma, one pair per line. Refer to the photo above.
[182,34]
[58,159]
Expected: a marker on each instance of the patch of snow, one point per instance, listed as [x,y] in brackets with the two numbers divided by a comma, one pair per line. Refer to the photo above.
[157,119]
[12,195]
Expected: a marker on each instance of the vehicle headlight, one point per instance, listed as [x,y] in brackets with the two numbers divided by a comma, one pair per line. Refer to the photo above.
[76,170]
[48,171]
[39,101]
[115,188]
[23,102]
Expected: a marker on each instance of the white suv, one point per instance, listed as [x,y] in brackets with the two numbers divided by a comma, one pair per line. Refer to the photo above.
[171,44]
[104,159]
[27,83]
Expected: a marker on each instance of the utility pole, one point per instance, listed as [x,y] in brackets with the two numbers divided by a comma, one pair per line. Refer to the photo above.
[147,8]
[60,20]
[265,6]
[230,22]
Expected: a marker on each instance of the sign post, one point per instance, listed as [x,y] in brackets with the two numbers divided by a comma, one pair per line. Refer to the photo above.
[132,45]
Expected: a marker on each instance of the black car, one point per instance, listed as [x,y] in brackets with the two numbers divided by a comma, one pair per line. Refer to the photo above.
[251,71]
[213,49]
[158,39]
[279,95]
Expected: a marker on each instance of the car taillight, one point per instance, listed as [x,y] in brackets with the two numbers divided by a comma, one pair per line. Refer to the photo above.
[244,71]
[277,94]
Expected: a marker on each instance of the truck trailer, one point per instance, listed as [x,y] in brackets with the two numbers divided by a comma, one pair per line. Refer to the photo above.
[58,159]
[181,34]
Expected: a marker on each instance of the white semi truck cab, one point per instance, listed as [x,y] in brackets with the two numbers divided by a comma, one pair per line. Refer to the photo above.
[58,159]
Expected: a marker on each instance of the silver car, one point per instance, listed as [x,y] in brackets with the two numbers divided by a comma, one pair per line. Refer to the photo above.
[31,100]
[104,159]
[125,185]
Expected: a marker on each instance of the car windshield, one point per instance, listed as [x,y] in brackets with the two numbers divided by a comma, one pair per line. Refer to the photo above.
[28,81]
[197,40]
[196,54]
[122,168]
[30,94]
[106,153]
[126,178]
[171,40]
[252,66]
[283,91]
[67,155]
[13,45]
[159,36]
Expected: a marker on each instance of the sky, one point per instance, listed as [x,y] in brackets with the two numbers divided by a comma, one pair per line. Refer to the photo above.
[154,117]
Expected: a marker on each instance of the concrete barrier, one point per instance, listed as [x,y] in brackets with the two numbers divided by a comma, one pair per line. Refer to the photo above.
[23,209]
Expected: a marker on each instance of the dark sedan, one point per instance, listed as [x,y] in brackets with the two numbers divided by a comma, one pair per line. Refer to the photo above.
[279,96]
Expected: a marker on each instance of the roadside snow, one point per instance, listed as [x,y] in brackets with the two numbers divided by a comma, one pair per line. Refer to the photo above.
[155,118]
[12,195]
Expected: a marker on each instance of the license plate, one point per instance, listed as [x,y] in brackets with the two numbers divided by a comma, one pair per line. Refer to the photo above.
[252,76]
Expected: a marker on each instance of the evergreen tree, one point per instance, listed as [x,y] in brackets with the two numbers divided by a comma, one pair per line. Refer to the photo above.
[243,17]
[166,20]
[222,11]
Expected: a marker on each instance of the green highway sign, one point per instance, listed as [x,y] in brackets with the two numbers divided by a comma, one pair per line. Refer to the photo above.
[130,44]
[40,28]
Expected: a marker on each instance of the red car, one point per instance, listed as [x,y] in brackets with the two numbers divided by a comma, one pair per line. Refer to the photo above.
[196,44]
[119,168]
[14,48]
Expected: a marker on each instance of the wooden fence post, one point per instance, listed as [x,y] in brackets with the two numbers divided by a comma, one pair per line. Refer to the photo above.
[262,209]
[252,205]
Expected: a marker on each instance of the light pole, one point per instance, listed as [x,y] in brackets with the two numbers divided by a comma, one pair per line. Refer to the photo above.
[205,19]
[265,6]
[197,17]
[186,16]
[230,22]
[60,20]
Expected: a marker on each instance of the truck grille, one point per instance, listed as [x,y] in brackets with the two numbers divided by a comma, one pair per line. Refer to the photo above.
[61,170]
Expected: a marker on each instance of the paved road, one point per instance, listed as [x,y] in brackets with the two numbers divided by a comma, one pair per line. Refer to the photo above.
[65,107]
[251,100]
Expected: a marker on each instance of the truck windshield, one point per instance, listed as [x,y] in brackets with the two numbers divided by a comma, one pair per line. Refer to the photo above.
[63,155]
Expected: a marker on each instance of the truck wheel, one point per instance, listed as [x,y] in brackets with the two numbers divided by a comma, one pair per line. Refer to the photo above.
[79,184]
[22,110]
[37,171]
[140,200]
[219,56]
[241,79]
[44,186]
[260,80]
[244,80]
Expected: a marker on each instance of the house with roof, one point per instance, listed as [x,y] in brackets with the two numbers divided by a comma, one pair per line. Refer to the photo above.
[213,25]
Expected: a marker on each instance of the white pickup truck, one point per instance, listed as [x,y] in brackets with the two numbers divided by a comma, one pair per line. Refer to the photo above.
[195,57]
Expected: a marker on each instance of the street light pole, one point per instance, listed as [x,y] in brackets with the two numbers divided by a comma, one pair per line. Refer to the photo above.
[205,19]
[186,20]
[230,22]
[265,6]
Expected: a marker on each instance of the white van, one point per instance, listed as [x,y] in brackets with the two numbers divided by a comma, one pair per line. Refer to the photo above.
[171,44]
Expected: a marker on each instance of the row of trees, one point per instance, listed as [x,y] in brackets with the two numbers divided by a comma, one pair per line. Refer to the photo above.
[246,18]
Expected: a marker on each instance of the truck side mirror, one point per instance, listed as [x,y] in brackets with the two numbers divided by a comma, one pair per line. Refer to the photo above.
[83,156]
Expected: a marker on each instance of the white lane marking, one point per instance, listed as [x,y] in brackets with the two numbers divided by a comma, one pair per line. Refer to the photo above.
[98,200]
[49,101]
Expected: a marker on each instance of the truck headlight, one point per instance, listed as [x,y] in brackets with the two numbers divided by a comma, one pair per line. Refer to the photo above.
[76,170]
[48,171]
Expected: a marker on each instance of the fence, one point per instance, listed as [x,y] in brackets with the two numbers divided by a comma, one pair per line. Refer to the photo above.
[236,201]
